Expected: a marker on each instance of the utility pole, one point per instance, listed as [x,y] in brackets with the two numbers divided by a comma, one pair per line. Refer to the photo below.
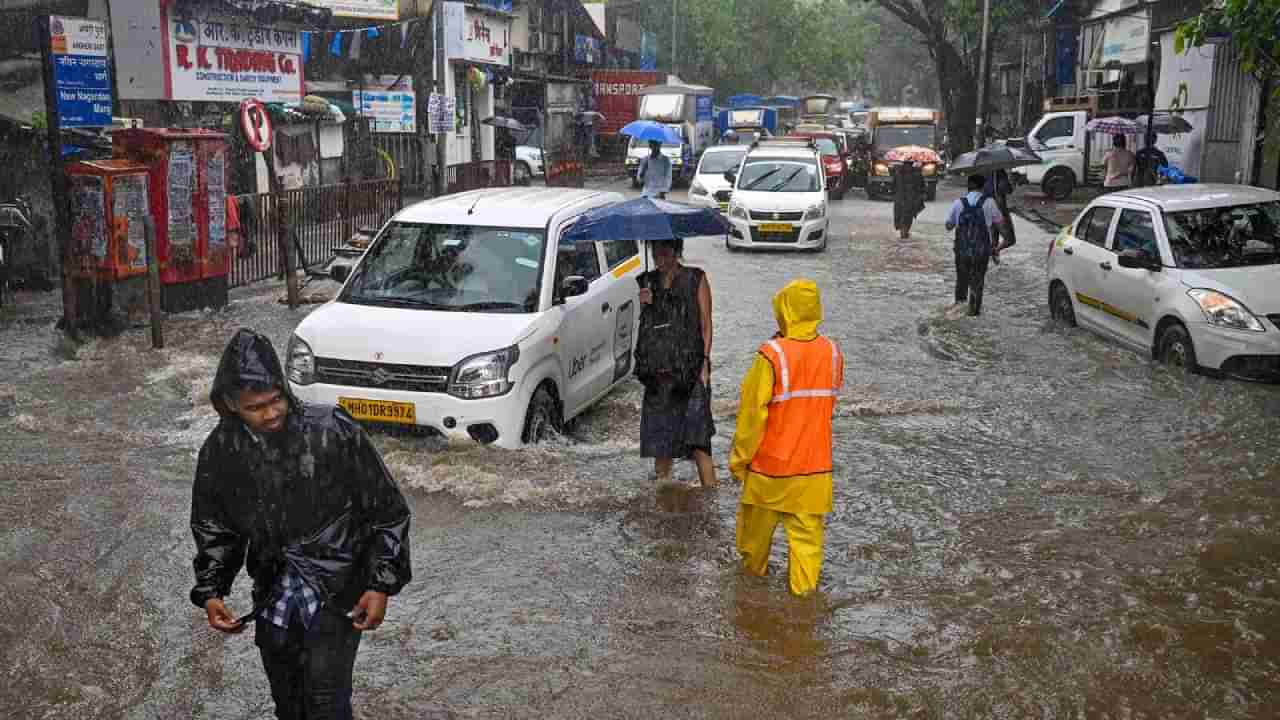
[441,66]
[984,86]
[1022,85]
[675,67]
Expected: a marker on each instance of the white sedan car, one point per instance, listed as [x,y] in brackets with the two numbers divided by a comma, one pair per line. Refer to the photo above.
[1187,273]
[710,188]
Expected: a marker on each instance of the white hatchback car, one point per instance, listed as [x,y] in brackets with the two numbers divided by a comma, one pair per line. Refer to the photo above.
[1187,273]
[466,316]
[710,187]
[779,197]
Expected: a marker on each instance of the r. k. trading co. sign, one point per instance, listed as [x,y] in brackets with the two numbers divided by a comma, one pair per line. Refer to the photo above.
[228,62]
[82,75]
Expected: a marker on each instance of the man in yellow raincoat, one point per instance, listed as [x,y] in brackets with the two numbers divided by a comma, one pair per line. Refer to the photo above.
[782,447]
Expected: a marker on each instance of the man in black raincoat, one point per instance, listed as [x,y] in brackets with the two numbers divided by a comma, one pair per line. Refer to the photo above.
[301,492]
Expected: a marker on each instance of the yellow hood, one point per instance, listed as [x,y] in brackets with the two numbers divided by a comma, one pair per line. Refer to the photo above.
[798,308]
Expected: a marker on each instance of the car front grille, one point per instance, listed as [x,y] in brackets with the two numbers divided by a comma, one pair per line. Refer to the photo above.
[386,376]
[788,237]
[779,216]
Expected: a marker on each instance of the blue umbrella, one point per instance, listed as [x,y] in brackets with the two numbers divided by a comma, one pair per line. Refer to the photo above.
[644,219]
[649,131]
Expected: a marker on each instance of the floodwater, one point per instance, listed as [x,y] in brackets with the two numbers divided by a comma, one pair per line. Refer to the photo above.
[1029,523]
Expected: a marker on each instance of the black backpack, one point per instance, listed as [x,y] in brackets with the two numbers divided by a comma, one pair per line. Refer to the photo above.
[972,235]
[669,338]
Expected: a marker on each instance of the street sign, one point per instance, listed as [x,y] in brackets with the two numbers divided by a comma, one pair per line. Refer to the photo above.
[82,74]
[391,111]
[256,124]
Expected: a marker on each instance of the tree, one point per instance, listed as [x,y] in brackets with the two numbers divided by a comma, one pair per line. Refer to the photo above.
[951,30]
[1251,24]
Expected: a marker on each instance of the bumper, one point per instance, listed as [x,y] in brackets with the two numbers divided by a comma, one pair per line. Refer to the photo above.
[1245,354]
[803,236]
[452,417]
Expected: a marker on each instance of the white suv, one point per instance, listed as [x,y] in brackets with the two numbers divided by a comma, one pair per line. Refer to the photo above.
[779,197]
[1186,273]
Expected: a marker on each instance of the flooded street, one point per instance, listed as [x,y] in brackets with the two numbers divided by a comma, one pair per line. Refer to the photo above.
[1029,522]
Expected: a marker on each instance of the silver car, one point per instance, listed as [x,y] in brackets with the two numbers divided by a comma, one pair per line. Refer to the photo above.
[1187,273]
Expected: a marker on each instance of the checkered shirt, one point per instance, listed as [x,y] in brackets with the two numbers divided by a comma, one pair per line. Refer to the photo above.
[292,596]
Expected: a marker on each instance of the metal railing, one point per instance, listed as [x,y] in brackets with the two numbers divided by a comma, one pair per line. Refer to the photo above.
[462,177]
[318,218]
[408,153]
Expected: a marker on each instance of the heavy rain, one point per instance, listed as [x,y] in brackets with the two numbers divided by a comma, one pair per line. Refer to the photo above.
[1031,517]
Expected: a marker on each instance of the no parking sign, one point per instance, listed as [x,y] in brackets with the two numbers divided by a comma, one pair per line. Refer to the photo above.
[256,124]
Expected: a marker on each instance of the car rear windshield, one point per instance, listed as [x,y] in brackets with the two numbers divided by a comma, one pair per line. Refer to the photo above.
[459,268]
[717,163]
[892,136]
[1225,237]
[780,175]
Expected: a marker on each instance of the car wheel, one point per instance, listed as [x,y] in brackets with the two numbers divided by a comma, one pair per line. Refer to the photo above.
[1176,348]
[543,419]
[1060,306]
[523,173]
[1058,184]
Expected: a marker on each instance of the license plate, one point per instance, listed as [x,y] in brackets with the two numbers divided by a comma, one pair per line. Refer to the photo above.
[383,411]
[775,227]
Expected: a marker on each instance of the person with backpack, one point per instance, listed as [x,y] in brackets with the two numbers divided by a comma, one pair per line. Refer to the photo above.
[975,218]
[673,362]
[782,445]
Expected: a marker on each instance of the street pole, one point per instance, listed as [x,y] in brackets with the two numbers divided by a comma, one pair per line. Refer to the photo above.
[1022,85]
[58,183]
[984,69]
[675,67]
[437,10]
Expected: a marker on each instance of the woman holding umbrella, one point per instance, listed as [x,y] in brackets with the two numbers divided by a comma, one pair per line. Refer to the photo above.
[908,196]
[673,360]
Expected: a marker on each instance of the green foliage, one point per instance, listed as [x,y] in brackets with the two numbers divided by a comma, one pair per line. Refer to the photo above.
[1254,27]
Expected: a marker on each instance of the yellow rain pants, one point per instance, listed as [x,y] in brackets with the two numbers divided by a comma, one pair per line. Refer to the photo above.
[804,535]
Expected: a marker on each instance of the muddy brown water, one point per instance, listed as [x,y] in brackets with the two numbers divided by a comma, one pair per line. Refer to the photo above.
[1029,523]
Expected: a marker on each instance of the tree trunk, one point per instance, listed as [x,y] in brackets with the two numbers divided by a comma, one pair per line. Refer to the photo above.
[959,93]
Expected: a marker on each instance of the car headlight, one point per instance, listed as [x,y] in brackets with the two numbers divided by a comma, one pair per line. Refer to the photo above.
[816,212]
[930,169]
[1223,310]
[697,188]
[881,169]
[301,363]
[737,211]
[484,375]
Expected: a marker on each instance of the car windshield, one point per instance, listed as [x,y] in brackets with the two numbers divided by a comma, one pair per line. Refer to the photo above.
[780,175]
[1225,237]
[643,145]
[892,136]
[460,268]
[718,163]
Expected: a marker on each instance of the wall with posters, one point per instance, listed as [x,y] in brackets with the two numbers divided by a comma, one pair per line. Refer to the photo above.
[373,9]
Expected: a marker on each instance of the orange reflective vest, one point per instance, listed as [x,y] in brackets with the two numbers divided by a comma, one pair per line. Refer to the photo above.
[807,376]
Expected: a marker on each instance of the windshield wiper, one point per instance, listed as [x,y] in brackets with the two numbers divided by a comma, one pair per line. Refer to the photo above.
[395,302]
[760,179]
[489,305]
[790,177]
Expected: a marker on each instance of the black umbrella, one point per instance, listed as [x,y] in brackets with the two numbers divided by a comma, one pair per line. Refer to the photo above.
[505,122]
[992,158]
[1168,123]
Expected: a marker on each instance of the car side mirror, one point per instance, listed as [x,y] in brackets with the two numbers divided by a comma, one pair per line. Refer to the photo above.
[1136,259]
[573,286]
[730,177]
[340,273]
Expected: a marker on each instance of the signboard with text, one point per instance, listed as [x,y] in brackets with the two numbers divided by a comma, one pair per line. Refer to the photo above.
[229,62]
[82,73]
[476,36]
[391,111]
[375,9]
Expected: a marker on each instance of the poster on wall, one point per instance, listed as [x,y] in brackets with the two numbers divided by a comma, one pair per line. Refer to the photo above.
[230,62]
[181,181]
[81,71]
[216,178]
[391,112]
[129,195]
[88,217]
[373,9]
[440,111]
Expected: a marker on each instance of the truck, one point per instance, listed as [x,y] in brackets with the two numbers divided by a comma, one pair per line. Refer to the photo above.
[685,108]
[617,97]
[818,109]
[750,119]
[1060,139]
[892,127]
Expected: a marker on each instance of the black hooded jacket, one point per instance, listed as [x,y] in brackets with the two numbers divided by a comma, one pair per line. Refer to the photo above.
[315,496]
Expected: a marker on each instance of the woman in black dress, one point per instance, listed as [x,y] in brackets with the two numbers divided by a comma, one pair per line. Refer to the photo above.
[673,360]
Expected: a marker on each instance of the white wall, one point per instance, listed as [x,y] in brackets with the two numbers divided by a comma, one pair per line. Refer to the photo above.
[136,42]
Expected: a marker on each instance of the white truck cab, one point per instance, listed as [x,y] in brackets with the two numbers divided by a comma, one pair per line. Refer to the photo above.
[468,317]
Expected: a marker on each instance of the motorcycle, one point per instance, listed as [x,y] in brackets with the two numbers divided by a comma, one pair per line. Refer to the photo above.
[15,224]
